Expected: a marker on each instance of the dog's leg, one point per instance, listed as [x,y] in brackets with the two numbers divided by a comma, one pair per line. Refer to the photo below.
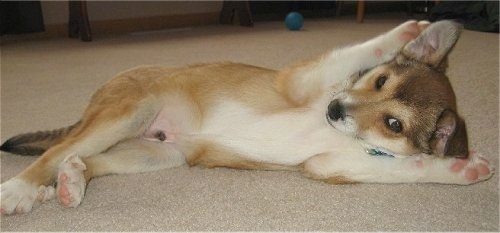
[101,128]
[354,168]
[302,83]
[130,156]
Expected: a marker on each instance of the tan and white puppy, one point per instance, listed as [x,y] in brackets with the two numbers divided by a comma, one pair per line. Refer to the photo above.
[329,117]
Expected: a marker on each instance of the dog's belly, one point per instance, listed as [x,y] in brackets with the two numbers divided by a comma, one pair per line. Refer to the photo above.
[288,137]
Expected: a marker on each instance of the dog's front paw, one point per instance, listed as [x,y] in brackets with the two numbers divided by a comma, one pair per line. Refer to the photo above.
[18,196]
[471,170]
[406,31]
[394,40]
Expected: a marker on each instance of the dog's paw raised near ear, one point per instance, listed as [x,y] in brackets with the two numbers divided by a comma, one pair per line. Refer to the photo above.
[394,40]
[405,32]
[422,25]
[410,30]
[474,169]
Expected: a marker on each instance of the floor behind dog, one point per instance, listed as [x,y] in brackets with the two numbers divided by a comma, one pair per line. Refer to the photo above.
[40,77]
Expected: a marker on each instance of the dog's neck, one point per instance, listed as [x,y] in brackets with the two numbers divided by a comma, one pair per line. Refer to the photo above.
[378,152]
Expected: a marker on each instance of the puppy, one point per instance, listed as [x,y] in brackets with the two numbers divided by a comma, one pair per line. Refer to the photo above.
[380,111]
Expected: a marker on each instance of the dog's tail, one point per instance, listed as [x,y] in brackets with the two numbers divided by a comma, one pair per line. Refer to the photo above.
[36,143]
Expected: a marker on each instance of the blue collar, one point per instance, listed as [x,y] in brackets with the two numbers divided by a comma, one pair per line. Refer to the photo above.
[377,152]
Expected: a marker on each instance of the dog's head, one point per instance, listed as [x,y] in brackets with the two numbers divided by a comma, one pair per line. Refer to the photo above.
[406,106]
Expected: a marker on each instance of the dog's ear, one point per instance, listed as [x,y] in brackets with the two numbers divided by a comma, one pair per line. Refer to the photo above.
[434,44]
[450,137]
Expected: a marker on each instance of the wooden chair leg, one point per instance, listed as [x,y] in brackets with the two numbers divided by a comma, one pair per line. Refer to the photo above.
[78,25]
[338,5]
[231,8]
[360,16]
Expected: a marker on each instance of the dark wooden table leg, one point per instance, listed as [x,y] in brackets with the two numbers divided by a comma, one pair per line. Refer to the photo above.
[78,25]
[360,15]
[230,8]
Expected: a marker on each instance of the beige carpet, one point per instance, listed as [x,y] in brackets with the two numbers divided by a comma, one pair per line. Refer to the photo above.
[46,84]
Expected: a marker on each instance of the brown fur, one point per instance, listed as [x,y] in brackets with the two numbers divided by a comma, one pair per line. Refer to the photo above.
[211,156]
[336,179]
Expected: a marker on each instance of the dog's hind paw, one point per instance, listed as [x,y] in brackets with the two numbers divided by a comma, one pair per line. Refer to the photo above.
[18,196]
[71,181]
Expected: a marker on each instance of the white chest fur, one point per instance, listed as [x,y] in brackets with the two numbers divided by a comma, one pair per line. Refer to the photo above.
[287,137]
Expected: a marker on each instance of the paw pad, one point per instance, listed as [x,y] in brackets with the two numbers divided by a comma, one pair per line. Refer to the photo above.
[475,168]
[411,31]
[71,182]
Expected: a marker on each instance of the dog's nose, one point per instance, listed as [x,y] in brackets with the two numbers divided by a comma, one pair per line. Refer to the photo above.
[336,110]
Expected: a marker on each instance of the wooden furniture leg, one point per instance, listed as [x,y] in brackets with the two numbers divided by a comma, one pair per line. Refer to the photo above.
[231,8]
[338,5]
[360,16]
[78,25]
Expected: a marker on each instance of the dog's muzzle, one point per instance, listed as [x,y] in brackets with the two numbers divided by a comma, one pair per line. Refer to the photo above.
[336,111]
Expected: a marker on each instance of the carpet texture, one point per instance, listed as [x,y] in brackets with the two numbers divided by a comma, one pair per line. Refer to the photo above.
[45,84]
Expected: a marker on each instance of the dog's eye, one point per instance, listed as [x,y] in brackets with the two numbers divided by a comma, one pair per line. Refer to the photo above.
[394,124]
[380,81]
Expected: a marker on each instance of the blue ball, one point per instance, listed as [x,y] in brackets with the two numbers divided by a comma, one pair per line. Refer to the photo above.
[294,21]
